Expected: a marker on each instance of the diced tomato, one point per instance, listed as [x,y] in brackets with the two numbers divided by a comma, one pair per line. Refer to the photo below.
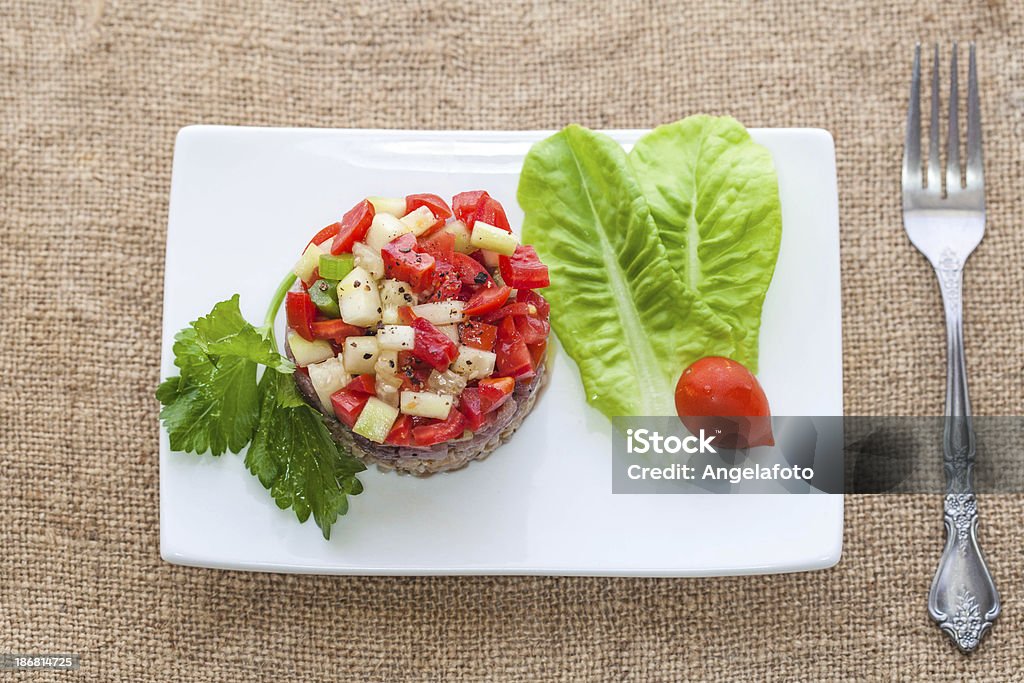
[335,330]
[328,233]
[405,315]
[301,311]
[354,225]
[439,245]
[527,296]
[362,384]
[437,206]
[401,432]
[348,405]
[514,308]
[537,352]
[470,270]
[465,204]
[494,391]
[524,269]
[471,407]
[513,357]
[403,262]
[478,335]
[491,211]
[432,345]
[532,330]
[487,299]
[440,430]
[446,284]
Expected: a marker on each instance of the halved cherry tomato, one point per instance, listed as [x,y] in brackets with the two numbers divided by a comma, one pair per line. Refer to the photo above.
[465,204]
[470,270]
[432,345]
[513,357]
[494,391]
[490,211]
[527,296]
[440,430]
[437,206]
[471,407]
[722,397]
[401,432]
[403,262]
[354,225]
[336,330]
[478,335]
[362,384]
[300,311]
[328,233]
[348,405]
[440,245]
[487,299]
[524,269]
[532,330]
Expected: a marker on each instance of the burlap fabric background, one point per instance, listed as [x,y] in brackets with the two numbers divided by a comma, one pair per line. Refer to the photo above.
[91,94]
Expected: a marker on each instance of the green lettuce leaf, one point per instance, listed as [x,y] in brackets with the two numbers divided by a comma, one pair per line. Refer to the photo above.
[618,306]
[714,196]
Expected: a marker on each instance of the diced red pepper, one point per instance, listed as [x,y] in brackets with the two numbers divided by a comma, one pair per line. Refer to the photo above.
[301,312]
[354,225]
[527,296]
[432,345]
[401,432]
[514,308]
[336,330]
[440,430]
[471,407]
[478,335]
[490,211]
[465,204]
[348,405]
[328,233]
[537,352]
[403,262]
[524,269]
[439,245]
[470,270]
[487,299]
[446,284]
[532,330]
[513,357]
[437,206]
[362,384]
[494,391]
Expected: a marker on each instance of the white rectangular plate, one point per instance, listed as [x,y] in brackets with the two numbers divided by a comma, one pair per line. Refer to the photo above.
[244,202]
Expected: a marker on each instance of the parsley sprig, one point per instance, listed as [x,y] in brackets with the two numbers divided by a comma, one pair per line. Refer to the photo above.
[216,403]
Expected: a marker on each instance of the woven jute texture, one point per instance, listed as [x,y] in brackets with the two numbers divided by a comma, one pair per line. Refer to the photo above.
[91,95]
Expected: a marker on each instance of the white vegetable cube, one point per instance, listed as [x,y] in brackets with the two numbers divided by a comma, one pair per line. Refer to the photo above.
[419,220]
[426,404]
[328,377]
[305,352]
[389,389]
[368,259]
[359,299]
[396,337]
[474,363]
[383,229]
[395,293]
[441,312]
[392,205]
[486,236]
[450,331]
[376,420]
[459,230]
[359,354]
[308,262]
[387,365]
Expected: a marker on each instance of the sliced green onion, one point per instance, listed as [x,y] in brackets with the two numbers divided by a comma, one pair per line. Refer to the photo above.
[335,267]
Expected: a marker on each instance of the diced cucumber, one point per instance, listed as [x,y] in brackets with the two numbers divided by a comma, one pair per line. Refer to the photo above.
[307,263]
[368,259]
[324,294]
[474,363]
[395,293]
[486,236]
[335,267]
[359,354]
[305,352]
[383,229]
[426,404]
[450,331]
[461,233]
[396,337]
[391,205]
[376,420]
[359,299]
[441,312]
[328,377]
[419,220]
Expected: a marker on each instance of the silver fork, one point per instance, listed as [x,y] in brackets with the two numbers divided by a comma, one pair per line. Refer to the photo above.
[946,227]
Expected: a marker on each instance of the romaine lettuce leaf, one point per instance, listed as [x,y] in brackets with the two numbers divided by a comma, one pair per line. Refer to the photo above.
[714,197]
[618,306]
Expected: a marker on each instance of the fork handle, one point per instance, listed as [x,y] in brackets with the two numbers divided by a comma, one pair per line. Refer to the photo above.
[963,599]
